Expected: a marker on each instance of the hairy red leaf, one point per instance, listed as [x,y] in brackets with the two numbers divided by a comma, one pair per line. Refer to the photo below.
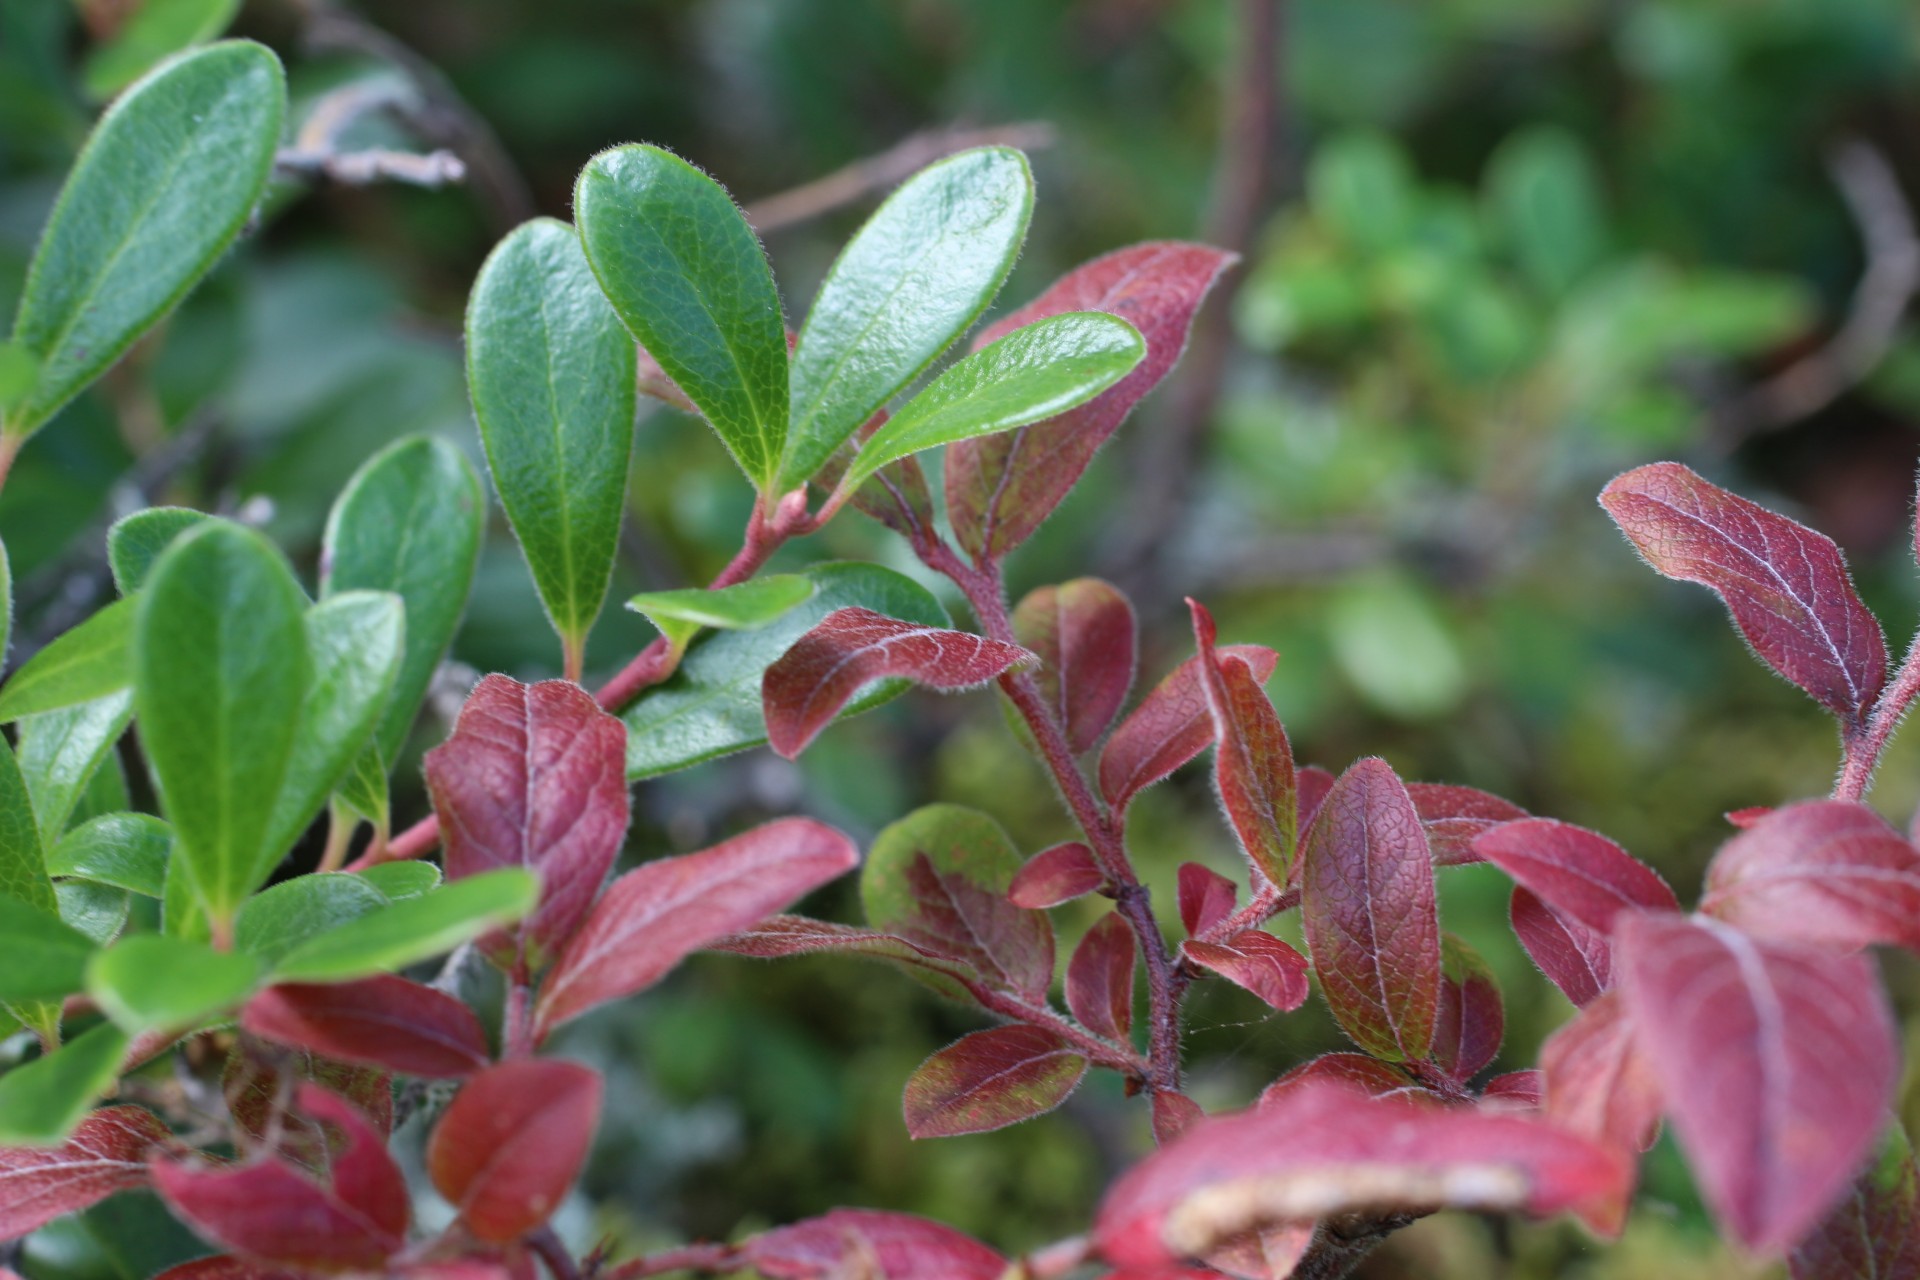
[870,1244]
[1001,487]
[1314,783]
[654,916]
[364,1177]
[1100,978]
[108,1152]
[1173,1114]
[1351,1070]
[1056,875]
[1786,586]
[1454,816]
[1171,726]
[989,1080]
[1581,874]
[1083,633]
[1777,1064]
[1471,1019]
[1873,1234]
[383,1021]
[1827,871]
[1205,897]
[1576,959]
[511,1143]
[1371,913]
[1257,961]
[1253,762]
[1749,816]
[780,936]
[1517,1090]
[1596,1081]
[533,776]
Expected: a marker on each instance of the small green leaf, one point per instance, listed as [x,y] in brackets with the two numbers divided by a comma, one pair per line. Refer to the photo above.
[413,929]
[45,958]
[745,606]
[277,920]
[41,1102]
[1543,193]
[402,879]
[99,911]
[136,541]
[156,29]
[127,850]
[1034,372]
[151,982]
[689,280]
[164,184]
[363,792]
[62,751]
[88,662]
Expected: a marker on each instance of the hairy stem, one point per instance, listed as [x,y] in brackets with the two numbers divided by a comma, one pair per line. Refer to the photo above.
[1864,745]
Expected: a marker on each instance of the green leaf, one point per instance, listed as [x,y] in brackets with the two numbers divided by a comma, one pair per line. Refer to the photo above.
[181,912]
[1543,193]
[409,522]
[45,958]
[689,280]
[167,179]
[127,850]
[88,662]
[61,751]
[1034,372]
[277,920]
[551,371]
[413,929]
[402,879]
[711,706]
[18,370]
[151,982]
[909,282]
[99,911]
[363,792]
[745,606]
[221,672]
[23,870]
[156,29]
[41,1102]
[136,541]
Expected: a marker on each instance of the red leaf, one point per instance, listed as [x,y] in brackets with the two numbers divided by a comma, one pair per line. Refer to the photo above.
[1575,958]
[1749,816]
[1171,726]
[1253,762]
[1596,1081]
[1206,897]
[1777,1064]
[511,1143]
[1786,586]
[222,1267]
[1519,1090]
[1100,978]
[806,686]
[384,1021]
[1173,1114]
[1471,1020]
[1056,875]
[989,1080]
[1314,783]
[1257,961]
[1874,1234]
[533,776]
[1581,874]
[365,1178]
[654,916]
[108,1152]
[1455,815]
[260,1082]
[872,1245]
[1371,914]
[1353,1071]
[1001,487]
[780,936]
[1083,633]
[1826,872]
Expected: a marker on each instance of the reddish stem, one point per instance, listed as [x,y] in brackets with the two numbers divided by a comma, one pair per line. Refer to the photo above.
[1864,745]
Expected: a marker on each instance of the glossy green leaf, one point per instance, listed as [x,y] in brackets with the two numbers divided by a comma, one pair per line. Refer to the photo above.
[164,184]
[127,850]
[910,282]
[689,280]
[182,915]
[61,751]
[106,791]
[413,929]
[23,871]
[679,615]
[711,706]
[136,541]
[156,29]
[41,1102]
[1034,372]
[279,919]
[400,880]
[151,982]
[363,791]
[45,958]
[88,662]
[551,371]
[221,672]
[98,911]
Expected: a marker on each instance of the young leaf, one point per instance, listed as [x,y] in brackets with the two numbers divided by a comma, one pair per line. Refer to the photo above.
[551,372]
[866,1242]
[1581,874]
[1084,634]
[1874,1234]
[1056,875]
[989,1080]
[511,1144]
[827,667]
[281,917]
[1597,1081]
[1825,872]
[45,958]
[1253,762]
[87,662]
[151,982]
[127,850]
[383,1021]
[1257,962]
[1371,915]
[1576,959]
[999,488]
[1470,1020]
[107,1153]
[689,280]
[411,930]
[1173,1115]
[1171,726]
[62,752]
[1454,816]
[42,1102]
[745,606]
[1205,897]
[196,139]
[1786,586]
[136,541]
[1100,978]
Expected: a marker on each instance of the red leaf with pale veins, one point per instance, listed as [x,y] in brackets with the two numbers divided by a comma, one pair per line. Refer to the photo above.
[1056,875]
[780,936]
[1597,1082]
[1314,783]
[1205,896]
[1515,1090]
[1084,635]
[1873,1234]
[989,1080]
[1001,487]
[1171,726]
[1259,962]
[806,686]
[1827,872]
[1173,1114]
[1575,959]
[533,776]
[383,1021]
[1100,979]
[1371,913]
[266,1210]
[1581,874]
[108,1152]
[1786,586]
[1454,816]
[1350,1070]
[261,1081]
[364,1177]
[1253,762]
[1471,1020]
[654,916]
[509,1146]
[870,1244]
[1777,1064]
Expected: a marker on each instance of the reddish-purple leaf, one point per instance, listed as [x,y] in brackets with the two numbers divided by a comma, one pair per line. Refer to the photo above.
[1351,1070]
[1827,872]
[1596,1081]
[1454,816]
[533,776]
[1253,762]
[1205,897]
[364,1177]
[1171,726]
[1056,875]
[1371,913]
[1515,1090]
[1314,783]
[509,1146]
[1581,874]
[1173,1114]
[869,1244]
[1777,1064]
[383,1021]
[780,936]
[989,1080]
[1749,816]
[261,1081]
[1786,586]
[1100,978]
[1001,487]
[1575,959]
[1083,633]
[1471,1019]
[108,1152]
[1873,1234]
[223,1267]
[1257,961]
[654,916]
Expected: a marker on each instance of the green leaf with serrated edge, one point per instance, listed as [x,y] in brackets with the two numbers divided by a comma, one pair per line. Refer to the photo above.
[409,522]
[909,283]
[127,850]
[151,982]
[45,958]
[88,662]
[156,29]
[276,920]
[1033,373]
[363,792]
[136,541]
[99,911]
[689,280]
[221,672]
[711,706]
[402,879]
[551,372]
[167,179]
[182,914]
[61,751]
[679,615]
[41,1102]
[413,929]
